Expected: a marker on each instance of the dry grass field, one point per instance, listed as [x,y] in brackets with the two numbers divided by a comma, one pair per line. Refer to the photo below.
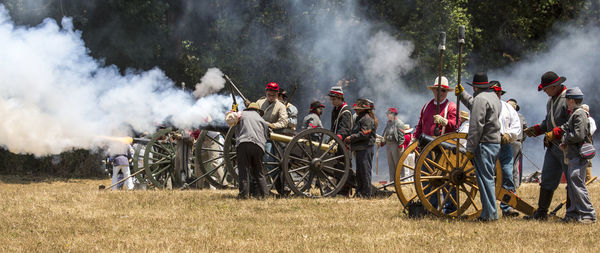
[73,215]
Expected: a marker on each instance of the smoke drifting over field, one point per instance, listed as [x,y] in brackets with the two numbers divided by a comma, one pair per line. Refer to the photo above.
[55,97]
[572,52]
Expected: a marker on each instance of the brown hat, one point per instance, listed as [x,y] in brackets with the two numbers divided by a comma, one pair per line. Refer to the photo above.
[254,107]
[363,104]
[550,79]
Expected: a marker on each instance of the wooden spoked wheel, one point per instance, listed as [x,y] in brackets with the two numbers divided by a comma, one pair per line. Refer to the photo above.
[209,160]
[437,175]
[316,163]
[159,159]
[405,186]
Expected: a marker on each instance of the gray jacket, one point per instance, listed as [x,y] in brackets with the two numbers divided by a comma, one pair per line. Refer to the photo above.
[311,121]
[558,105]
[393,131]
[577,131]
[292,112]
[252,128]
[484,126]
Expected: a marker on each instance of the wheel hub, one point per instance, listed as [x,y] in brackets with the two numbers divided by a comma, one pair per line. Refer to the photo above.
[316,164]
[457,176]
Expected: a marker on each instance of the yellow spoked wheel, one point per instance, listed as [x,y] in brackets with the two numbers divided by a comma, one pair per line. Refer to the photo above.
[442,181]
[405,186]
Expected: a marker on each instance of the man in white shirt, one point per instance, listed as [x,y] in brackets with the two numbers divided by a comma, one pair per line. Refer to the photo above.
[510,129]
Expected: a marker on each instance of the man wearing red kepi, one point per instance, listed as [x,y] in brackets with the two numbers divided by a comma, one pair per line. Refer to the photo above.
[431,120]
[552,127]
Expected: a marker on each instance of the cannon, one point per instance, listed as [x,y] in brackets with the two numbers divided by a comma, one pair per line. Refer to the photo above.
[313,163]
[441,167]
[171,158]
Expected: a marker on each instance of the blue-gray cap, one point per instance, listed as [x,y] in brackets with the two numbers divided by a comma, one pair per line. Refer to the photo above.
[574,93]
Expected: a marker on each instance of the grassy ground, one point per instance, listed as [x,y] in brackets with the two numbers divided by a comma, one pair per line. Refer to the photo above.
[57,215]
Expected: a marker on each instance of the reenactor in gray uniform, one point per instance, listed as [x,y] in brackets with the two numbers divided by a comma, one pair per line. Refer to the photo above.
[362,142]
[483,140]
[252,132]
[576,133]
[291,110]
[554,166]
[393,138]
[313,119]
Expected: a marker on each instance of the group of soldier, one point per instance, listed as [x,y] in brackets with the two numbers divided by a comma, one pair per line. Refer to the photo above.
[495,131]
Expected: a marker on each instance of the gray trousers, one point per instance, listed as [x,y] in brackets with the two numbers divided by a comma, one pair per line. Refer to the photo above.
[581,206]
[517,146]
[393,156]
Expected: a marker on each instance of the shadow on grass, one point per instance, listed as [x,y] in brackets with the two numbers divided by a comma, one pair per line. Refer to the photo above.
[33,179]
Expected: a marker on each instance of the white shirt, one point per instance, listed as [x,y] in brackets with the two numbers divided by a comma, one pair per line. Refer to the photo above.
[509,121]
[592,125]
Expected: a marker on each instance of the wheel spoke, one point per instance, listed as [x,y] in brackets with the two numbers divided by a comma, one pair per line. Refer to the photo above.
[434,177]
[301,179]
[297,169]
[299,159]
[436,190]
[212,159]
[405,182]
[212,150]
[447,157]
[440,167]
[470,197]
[333,169]
[328,150]
[216,141]
[303,149]
[333,158]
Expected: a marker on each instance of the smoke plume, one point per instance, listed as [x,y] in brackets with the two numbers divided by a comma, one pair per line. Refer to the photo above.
[55,97]
[571,52]
[210,83]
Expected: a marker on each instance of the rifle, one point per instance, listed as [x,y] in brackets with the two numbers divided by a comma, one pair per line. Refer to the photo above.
[441,47]
[234,105]
[236,89]
[461,42]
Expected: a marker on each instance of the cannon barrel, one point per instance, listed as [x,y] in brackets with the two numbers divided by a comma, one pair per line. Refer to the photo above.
[288,139]
[426,139]
[142,141]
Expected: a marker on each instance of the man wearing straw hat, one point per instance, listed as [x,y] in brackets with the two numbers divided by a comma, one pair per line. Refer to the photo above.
[430,120]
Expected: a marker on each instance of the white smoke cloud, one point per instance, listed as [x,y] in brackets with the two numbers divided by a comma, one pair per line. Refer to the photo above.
[210,83]
[56,97]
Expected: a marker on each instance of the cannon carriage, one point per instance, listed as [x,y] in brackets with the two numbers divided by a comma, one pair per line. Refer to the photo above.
[440,173]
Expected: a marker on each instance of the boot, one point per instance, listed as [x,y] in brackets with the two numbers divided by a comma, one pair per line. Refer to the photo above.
[543,203]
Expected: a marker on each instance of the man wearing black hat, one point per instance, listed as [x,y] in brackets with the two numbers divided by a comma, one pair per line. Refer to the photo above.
[554,166]
[518,145]
[483,139]
[313,119]
[576,133]
[252,132]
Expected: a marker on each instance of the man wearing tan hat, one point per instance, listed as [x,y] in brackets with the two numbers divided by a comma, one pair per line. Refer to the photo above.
[433,122]
[252,132]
